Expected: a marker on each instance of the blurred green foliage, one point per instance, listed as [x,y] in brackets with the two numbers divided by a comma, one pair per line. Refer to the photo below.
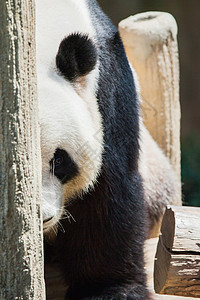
[190,162]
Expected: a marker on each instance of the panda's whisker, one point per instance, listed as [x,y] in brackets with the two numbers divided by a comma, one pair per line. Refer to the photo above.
[53,170]
[60,226]
[68,215]
[52,176]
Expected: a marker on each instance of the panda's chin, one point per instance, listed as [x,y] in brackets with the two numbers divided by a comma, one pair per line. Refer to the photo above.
[50,224]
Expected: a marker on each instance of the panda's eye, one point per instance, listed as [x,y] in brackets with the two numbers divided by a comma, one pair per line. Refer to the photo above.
[58,161]
[62,166]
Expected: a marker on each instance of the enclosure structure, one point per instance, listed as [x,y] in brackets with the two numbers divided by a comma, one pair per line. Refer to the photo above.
[21,253]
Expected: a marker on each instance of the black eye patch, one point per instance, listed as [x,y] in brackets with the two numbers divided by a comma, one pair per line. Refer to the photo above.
[62,166]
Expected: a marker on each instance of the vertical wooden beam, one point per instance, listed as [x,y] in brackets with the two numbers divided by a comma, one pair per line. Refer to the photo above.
[150,41]
[21,252]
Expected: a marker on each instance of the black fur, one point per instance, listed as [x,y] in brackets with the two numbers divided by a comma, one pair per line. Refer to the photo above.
[76,56]
[101,254]
[62,166]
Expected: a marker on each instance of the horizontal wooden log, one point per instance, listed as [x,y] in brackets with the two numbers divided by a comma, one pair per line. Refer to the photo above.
[150,251]
[177,263]
[169,297]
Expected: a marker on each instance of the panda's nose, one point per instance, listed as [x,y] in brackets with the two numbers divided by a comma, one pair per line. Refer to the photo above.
[47,220]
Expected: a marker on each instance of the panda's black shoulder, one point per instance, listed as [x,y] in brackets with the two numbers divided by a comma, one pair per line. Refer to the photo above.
[118,101]
[100,20]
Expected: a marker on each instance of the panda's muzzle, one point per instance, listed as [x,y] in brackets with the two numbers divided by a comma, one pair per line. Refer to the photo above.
[47,224]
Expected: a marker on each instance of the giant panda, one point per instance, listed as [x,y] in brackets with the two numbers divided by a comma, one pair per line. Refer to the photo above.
[96,161]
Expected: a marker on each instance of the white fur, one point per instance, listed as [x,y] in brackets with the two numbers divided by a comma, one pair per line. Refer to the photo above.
[56,19]
[159,179]
[52,198]
[69,115]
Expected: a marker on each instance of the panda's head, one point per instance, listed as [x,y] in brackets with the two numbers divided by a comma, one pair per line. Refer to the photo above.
[71,133]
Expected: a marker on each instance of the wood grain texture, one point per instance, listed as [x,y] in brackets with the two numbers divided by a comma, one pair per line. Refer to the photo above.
[150,251]
[169,297]
[177,264]
[21,254]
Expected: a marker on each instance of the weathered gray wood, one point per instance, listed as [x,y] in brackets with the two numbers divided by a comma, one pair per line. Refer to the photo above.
[21,254]
[150,250]
[170,297]
[177,264]
[181,229]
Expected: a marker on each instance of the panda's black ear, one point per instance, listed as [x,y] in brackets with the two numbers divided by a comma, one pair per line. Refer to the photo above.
[77,56]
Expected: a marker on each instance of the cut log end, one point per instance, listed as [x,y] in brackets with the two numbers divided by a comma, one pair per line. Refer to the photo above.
[149,28]
[177,262]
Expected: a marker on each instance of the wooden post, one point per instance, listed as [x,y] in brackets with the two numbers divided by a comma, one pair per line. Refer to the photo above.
[177,263]
[151,46]
[21,253]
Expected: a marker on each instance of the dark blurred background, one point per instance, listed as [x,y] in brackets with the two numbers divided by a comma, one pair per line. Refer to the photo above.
[187,15]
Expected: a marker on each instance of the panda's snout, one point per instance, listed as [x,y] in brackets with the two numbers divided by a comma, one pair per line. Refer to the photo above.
[52,200]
